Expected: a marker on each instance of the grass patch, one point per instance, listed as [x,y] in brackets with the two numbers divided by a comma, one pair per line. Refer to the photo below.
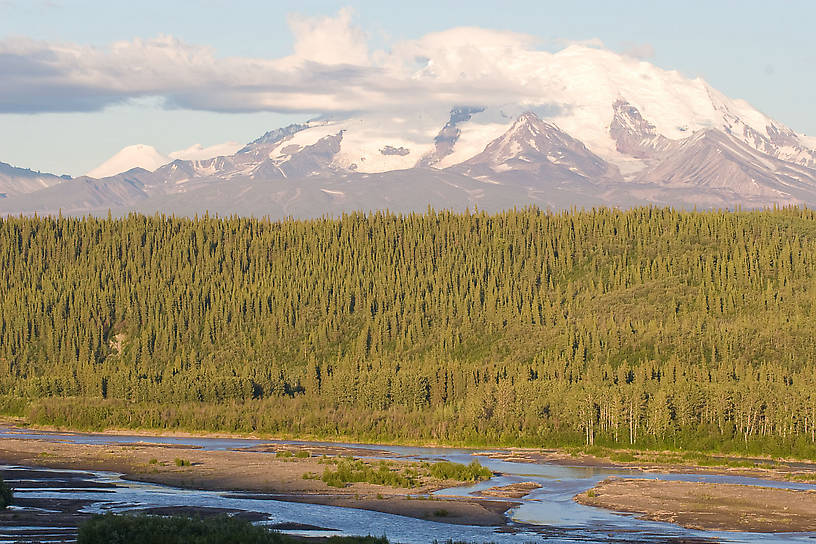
[623,457]
[350,470]
[474,472]
[111,528]
[802,477]
[182,462]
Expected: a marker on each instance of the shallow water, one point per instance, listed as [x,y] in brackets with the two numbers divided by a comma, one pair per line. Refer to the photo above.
[547,514]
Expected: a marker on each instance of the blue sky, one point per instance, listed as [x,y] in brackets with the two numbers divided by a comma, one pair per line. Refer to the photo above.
[762,52]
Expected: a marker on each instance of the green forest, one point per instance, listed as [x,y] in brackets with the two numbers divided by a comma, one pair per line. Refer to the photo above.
[645,328]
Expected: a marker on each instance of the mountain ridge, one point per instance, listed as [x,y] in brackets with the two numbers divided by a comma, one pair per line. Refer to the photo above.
[613,131]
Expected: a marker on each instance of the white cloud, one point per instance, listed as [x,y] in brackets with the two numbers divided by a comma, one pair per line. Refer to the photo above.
[332,70]
[329,40]
[640,51]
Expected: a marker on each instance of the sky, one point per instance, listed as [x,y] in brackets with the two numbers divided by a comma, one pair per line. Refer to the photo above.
[81,79]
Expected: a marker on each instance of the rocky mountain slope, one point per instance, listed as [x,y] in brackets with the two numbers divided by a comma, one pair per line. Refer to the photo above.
[19,181]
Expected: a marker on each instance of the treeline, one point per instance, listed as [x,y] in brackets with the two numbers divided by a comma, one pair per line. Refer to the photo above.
[648,327]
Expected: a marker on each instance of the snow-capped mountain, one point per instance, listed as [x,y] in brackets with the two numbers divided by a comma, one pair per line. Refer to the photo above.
[539,155]
[132,156]
[607,129]
[149,158]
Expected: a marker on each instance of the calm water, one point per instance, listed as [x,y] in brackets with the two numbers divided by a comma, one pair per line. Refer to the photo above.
[547,514]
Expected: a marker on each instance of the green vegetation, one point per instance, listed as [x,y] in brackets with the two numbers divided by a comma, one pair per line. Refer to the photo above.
[644,329]
[622,457]
[112,528]
[6,495]
[809,478]
[182,462]
[473,472]
[121,529]
[350,470]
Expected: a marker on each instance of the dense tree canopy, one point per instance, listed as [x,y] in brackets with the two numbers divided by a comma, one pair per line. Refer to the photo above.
[652,327]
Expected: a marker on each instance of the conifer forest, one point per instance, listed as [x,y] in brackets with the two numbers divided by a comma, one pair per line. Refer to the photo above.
[645,328]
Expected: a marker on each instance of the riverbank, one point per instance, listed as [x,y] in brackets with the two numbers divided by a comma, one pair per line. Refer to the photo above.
[23,424]
[665,462]
[707,506]
[274,476]
[292,472]
[780,469]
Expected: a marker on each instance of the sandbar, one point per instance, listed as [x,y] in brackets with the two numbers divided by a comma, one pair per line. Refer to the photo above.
[708,506]
[256,472]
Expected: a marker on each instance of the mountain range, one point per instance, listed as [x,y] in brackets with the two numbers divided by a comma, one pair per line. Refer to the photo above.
[609,130]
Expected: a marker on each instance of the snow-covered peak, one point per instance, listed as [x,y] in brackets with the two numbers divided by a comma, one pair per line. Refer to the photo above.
[132,156]
[581,119]
[579,86]
[530,135]
[274,136]
[621,108]
[531,126]
[635,136]
[576,89]
[539,149]
[147,157]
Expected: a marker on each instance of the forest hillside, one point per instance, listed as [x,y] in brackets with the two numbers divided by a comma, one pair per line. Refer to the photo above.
[652,328]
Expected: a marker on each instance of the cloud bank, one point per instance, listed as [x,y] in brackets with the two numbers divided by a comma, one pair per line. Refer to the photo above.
[332,70]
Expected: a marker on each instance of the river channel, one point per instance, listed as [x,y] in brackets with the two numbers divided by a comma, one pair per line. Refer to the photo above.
[547,514]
